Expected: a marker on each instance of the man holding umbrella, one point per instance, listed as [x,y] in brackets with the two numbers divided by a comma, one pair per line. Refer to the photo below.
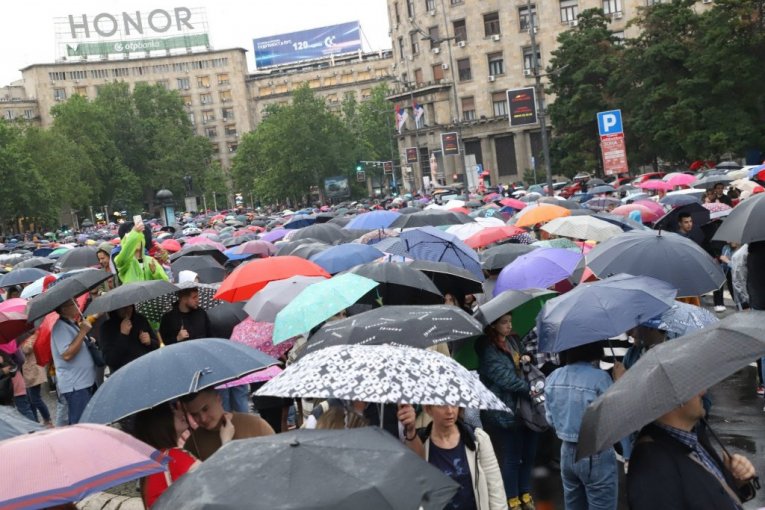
[186,321]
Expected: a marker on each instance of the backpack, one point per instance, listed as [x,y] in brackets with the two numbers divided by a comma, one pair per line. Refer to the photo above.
[531,411]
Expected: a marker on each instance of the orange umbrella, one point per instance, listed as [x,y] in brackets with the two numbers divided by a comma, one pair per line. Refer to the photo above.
[250,278]
[491,235]
[540,214]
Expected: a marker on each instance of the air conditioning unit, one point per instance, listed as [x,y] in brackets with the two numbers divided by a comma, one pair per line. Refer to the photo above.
[461,44]
[495,37]
[432,12]
[617,15]
[444,66]
[492,78]
[436,50]
[527,72]
[573,23]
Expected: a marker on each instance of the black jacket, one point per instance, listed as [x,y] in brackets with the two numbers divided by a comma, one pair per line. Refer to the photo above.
[195,322]
[664,476]
[119,349]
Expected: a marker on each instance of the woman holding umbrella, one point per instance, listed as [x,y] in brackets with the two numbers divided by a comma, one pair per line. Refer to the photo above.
[126,335]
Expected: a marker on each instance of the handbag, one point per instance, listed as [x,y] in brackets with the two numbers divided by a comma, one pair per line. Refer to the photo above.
[6,390]
[531,411]
[95,352]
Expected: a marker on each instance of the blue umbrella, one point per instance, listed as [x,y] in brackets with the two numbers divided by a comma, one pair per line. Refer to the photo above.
[372,220]
[23,275]
[169,373]
[606,188]
[344,256]
[299,221]
[392,245]
[601,310]
[682,319]
[13,423]
[429,243]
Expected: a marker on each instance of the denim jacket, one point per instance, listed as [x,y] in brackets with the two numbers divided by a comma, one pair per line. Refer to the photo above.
[568,392]
[500,374]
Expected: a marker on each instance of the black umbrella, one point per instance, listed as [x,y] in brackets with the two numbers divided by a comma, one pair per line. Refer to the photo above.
[409,210]
[308,250]
[206,267]
[340,221]
[22,276]
[399,285]
[412,326]
[235,241]
[313,470]
[622,222]
[497,257]
[224,317]
[432,217]
[63,290]
[324,217]
[199,250]
[669,375]
[698,212]
[328,233]
[728,165]
[661,255]
[289,247]
[745,222]
[595,182]
[448,278]
[155,308]
[129,294]
[43,263]
[711,181]
[77,258]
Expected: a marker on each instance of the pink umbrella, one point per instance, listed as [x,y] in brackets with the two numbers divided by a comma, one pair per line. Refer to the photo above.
[262,248]
[681,180]
[514,203]
[258,335]
[203,240]
[655,207]
[646,215]
[656,184]
[64,465]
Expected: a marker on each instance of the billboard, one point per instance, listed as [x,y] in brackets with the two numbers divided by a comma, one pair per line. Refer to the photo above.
[337,187]
[307,44]
[522,105]
[412,155]
[450,144]
[143,45]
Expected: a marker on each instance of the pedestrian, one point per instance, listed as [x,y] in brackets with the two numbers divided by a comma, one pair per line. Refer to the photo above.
[514,443]
[590,483]
[467,456]
[34,377]
[720,196]
[133,265]
[7,371]
[674,466]
[125,336]
[104,255]
[185,321]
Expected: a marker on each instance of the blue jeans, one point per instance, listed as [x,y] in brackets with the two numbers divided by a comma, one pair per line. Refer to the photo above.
[24,406]
[592,482]
[76,401]
[236,399]
[37,403]
[515,449]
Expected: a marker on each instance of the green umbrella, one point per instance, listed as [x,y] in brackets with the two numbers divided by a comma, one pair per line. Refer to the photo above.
[58,252]
[318,303]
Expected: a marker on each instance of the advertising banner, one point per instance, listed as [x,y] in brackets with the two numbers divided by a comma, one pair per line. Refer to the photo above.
[140,45]
[450,144]
[411,155]
[614,154]
[361,176]
[337,187]
[307,44]
[522,105]
[388,167]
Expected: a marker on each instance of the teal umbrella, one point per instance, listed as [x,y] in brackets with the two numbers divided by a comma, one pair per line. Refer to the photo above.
[318,303]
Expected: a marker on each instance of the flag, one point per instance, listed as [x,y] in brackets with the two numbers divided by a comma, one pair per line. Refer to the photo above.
[401,116]
[419,115]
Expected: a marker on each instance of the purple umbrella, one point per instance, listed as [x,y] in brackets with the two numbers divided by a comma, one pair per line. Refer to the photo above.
[259,247]
[537,270]
[274,235]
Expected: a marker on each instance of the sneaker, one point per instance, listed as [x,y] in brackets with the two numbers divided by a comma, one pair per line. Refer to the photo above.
[720,309]
[761,390]
[514,504]
[527,502]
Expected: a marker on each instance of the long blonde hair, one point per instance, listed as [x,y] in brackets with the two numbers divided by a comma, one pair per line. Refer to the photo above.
[337,418]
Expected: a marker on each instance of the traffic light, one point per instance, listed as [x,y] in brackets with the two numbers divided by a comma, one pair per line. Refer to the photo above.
[359,166]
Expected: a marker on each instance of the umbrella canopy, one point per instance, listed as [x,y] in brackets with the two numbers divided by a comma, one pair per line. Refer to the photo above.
[13,423]
[327,233]
[313,469]
[513,203]
[155,308]
[507,302]
[679,179]
[263,306]
[43,263]
[22,276]
[669,375]
[372,220]
[542,213]
[600,310]
[300,221]
[448,278]
[582,227]
[656,184]
[646,214]
[259,335]
[129,294]
[500,256]
[492,235]
[171,245]
[319,302]
[537,270]
[602,203]
[64,290]
[744,224]
[604,188]
[258,247]
[200,250]
[171,372]
[75,465]
[432,217]
[207,268]
[224,317]
[345,256]
[78,258]
[399,285]
[623,222]
[428,243]
[728,165]
[710,181]
[383,374]
[412,326]
[274,235]
[669,221]
[661,255]
[654,207]
[245,281]
[683,319]
[678,200]
[307,250]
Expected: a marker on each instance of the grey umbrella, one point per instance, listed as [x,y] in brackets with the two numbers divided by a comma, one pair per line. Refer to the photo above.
[224,318]
[43,263]
[745,222]
[264,305]
[711,181]
[13,423]
[208,269]
[21,276]
[399,285]
[449,278]
[200,250]
[327,233]
[497,257]
[313,470]
[65,288]
[669,375]
[508,301]
[77,258]
[129,294]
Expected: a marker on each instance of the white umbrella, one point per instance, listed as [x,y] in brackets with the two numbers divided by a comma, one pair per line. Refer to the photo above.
[582,227]
[462,232]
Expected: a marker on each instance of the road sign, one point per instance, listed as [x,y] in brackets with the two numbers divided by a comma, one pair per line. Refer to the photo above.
[610,122]
[361,176]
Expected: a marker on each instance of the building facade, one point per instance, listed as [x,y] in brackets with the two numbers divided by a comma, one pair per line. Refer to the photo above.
[16,105]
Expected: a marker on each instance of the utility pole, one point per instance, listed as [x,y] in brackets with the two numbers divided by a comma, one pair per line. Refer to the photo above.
[92,218]
[215,201]
[540,93]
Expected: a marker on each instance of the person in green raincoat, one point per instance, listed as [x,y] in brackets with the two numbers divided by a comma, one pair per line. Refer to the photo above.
[132,263]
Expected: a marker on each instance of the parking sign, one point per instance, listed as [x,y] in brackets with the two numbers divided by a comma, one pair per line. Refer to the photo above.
[610,123]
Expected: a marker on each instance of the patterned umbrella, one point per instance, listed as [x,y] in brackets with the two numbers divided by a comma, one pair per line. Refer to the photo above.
[683,319]
[155,308]
[428,243]
[383,374]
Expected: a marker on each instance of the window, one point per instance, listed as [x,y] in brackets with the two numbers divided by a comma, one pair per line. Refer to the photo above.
[463,67]
[366,94]
[618,38]
[227,114]
[208,116]
[186,100]
[435,40]
[99,73]
[396,14]
[81,91]
[523,16]
[28,114]
[8,115]
[191,118]
[225,96]
[496,63]
[223,79]
[430,5]
[468,108]
[363,76]
[528,61]
[413,39]
[203,82]
[438,72]
[232,146]
[183,83]
[401,47]
[164,84]
[78,75]
[59,94]
[211,132]
[230,130]
[57,76]
[491,24]
[181,67]
[205,98]
[418,77]
[410,8]
[612,6]
[119,72]
[569,10]
[460,30]
[499,103]
[456,2]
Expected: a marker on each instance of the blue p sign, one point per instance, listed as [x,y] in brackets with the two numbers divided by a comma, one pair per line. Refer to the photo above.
[610,123]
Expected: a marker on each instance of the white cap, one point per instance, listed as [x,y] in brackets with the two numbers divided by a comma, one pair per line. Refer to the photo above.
[188,276]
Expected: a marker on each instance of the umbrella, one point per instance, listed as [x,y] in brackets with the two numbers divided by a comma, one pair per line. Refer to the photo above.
[510,301]
[43,263]
[623,222]
[466,230]
[372,220]
[64,290]
[392,245]
[264,305]
[512,202]
[669,375]
[259,335]
[399,285]
[77,258]
[542,213]
[678,200]
[22,276]
[171,245]
[683,319]
[448,278]
[325,232]
[661,255]
[224,317]
[75,465]
[744,224]
[537,270]
[646,214]
[316,470]
[428,243]
[602,203]
[250,278]
[259,247]
[601,310]
[129,294]
[656,184]
[172,372]
[208,269]
[728,165]
[289,247]
[679,179]
[209,241]
[274,235]
[300,221]
[654,207]
[200,250]
[582,227]
[699,214]
[710,181]
[345,256]
[492,235]
[13,423]
[319,302]
[432,217]
[500,256]
[155,308]
[384,374]
[604,188]
[57,253]
[307,250]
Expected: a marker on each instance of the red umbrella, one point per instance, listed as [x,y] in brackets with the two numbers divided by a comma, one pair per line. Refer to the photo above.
[514,203]
[492,235]
[248,279]
[13,324]
[171,245]
[491,197]
[464,210]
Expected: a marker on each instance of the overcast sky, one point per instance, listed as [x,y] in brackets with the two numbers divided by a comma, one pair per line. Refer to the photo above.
[28,33]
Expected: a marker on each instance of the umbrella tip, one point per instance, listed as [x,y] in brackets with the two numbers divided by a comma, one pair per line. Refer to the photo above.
[295,442]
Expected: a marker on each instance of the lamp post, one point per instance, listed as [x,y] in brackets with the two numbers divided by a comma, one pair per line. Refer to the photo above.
[165,199]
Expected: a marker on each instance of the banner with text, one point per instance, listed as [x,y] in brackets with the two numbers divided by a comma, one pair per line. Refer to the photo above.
[307,44]
[522,105]
[450,145]
[614,153]
[140,45]
[411,155]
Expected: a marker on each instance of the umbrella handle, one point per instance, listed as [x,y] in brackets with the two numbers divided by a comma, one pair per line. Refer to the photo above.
[613,353]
